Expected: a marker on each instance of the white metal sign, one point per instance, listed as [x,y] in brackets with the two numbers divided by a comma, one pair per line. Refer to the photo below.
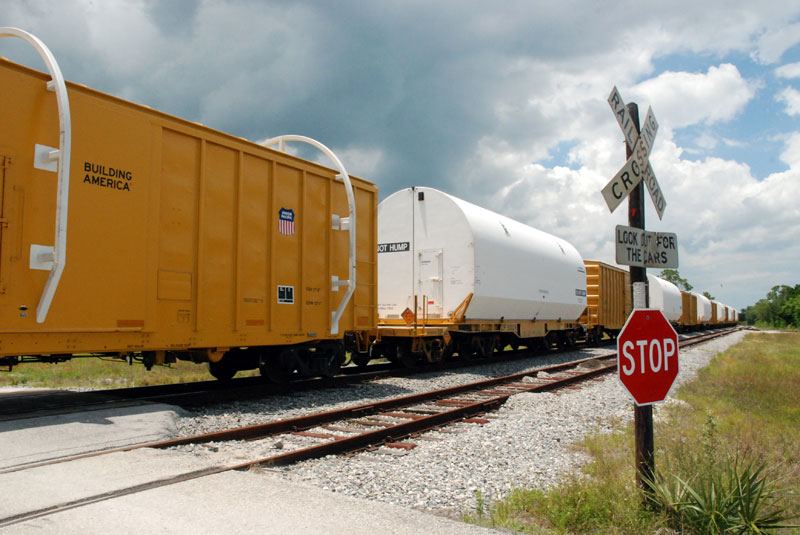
[656,194]
[623,118]
[623,183]
[637,168]
[638,247]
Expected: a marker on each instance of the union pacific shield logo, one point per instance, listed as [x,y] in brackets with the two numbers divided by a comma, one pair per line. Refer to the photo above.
[286,222]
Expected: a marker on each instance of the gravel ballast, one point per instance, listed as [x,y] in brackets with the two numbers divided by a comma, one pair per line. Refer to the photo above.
[529,442]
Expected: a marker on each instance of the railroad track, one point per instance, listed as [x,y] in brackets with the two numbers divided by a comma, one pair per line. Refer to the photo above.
[48,403]
[392,423]
[397,419]
[32,405]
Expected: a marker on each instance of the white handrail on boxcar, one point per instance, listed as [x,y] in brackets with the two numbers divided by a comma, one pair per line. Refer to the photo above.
[45,257]
[348,223]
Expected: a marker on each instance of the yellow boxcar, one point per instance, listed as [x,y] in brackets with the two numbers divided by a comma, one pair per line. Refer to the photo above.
[608,300]
[181,242]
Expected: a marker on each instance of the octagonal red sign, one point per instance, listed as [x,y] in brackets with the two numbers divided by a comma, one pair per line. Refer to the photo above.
[647,356]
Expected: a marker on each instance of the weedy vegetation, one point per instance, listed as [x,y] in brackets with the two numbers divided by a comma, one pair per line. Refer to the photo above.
[727,459]
[103,373]
[727,452]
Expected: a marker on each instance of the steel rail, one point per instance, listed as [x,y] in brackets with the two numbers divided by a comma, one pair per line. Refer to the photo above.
[27,405]
[22,406]
[301,423]
[257,431]
[341,445]
[18,407]
[416,424]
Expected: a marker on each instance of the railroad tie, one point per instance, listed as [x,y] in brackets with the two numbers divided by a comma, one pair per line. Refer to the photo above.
[404,415]
[400,445]
[311,434]
[454,402]
[480,421]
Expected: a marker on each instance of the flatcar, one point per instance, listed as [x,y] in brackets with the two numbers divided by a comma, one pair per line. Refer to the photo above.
[455,277]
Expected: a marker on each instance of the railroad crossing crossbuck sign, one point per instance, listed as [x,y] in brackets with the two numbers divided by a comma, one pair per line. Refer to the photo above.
[637,168]
[647,356]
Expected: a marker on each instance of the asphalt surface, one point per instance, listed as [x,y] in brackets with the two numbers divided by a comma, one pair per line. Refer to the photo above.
[228,502]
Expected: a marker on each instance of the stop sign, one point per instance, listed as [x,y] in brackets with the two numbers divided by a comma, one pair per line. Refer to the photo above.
[647,356]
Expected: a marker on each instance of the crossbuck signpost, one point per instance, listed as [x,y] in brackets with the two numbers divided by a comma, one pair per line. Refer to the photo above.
[637,167]
[643,333]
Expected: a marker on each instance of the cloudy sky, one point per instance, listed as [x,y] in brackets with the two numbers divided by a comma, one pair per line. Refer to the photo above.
[502,104]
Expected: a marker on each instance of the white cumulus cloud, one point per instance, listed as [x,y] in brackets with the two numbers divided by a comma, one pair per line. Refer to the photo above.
[777,40]
[790,97]
[790,70]
[684,98]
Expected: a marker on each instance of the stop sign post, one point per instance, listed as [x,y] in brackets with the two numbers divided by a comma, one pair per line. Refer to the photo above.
[645,346]
[647,353]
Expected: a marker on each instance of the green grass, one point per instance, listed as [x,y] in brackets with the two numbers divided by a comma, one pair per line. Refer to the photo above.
[101,373]
[743,410]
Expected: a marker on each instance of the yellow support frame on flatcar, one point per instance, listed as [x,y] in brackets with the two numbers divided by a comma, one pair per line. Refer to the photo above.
[433,337]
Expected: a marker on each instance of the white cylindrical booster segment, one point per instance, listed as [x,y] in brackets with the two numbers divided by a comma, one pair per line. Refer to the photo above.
[703,308]
[441,249]
[720,311]
[665,296]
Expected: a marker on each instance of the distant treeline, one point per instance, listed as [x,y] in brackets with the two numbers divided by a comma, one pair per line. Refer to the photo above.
[781,308]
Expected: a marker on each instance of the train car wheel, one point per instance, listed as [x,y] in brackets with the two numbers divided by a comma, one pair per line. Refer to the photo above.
[465,349]
[549,340]
[360,359]
[380,351]
[224,369]
[449,349]
[434,350]
[484,346]
[404,356]
[566,340]
[593,337]
[279,367]
[389,352]
[330,358]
